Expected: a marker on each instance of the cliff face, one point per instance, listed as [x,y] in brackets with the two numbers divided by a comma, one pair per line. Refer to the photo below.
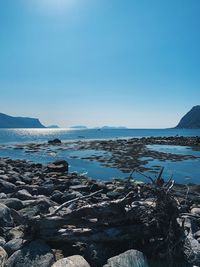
[19,122]
[191,120]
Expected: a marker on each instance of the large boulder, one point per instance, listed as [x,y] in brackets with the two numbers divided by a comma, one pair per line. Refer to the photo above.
[36,207]
[35,254]
[13,245]
[24,195]
[3,257]
[6,219]
[73,261]
[55,141]
[7,187]
[130,258]
[12,203]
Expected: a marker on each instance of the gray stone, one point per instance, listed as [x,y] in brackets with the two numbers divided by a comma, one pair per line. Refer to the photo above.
[130,258]
[35,254]
[13,245]
[7,187]
[6,219]
[192,250]
[197,234]
[24,195]
[195,211]
[16,232]
[2,241]
[3,196]
[3,257]
[13,203]
[73,261]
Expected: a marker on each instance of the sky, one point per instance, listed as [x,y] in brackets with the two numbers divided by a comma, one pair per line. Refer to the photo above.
[133,63]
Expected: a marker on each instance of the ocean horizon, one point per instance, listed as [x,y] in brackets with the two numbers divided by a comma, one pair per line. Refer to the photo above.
[26,135]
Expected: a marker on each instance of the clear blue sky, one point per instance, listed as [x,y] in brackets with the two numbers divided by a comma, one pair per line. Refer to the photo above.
[100,62]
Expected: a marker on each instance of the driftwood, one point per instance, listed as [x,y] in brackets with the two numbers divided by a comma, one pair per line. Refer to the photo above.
[144,216]
[67,203]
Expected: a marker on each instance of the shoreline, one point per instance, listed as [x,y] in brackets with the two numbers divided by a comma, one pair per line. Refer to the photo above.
[124,155]
[112,216]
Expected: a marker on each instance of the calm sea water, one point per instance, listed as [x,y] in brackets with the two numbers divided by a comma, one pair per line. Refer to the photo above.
[39,135]
[182,171]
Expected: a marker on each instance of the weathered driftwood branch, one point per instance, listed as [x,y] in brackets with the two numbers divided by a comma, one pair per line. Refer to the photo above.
[99,234]
[67,203]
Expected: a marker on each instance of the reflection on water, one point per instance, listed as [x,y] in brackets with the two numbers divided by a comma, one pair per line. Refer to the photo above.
[185,171]
[180,150]
[92,168]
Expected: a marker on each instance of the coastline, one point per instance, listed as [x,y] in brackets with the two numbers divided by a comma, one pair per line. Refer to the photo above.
[67,214]
[76,215]
[125,155]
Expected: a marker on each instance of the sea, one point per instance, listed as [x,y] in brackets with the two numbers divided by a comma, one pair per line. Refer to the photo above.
[185,171]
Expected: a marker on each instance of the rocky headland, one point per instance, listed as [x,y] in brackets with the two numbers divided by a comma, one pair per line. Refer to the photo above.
[191,120]
[7,121]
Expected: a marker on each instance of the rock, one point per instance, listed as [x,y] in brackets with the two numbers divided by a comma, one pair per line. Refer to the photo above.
[54,142]
[3,196]
[6,219]
[17,217]
[13,203]
[35,207]
[130,258]
[192,250]
[4,177]
[7,187]
[24,195]
[70,195]
[35,254]
[3,257]
[13,245]
[58,166]
[16,232]
[2,241]
[197,234]
[73,261]
[56,196]
[195,211]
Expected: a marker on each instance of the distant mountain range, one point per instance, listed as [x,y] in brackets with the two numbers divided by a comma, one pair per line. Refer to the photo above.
[79,127]
[191,120]
[114,127]
[7,121]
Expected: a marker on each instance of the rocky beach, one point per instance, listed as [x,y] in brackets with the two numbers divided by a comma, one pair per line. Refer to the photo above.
[52,217]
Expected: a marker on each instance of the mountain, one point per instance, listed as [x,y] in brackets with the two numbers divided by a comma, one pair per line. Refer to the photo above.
[7,121]
[79,127]
[114,127]
[191,120]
